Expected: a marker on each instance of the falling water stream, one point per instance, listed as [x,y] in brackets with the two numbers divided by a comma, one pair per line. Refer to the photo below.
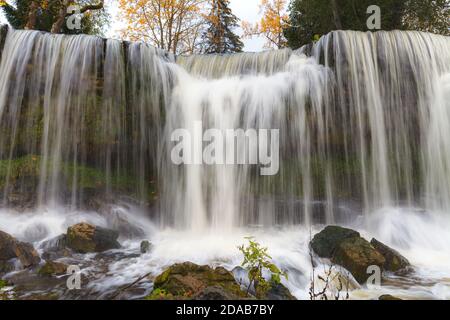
[364,124]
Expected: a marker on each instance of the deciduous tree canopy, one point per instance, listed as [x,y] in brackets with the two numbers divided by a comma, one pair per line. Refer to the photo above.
[173,25]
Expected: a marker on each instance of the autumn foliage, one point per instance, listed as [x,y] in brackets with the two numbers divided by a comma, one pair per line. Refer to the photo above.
[173,25]
[272,24]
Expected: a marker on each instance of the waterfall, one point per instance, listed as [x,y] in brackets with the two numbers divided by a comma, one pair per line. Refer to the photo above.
[389,93]
[363,119]
[67,113]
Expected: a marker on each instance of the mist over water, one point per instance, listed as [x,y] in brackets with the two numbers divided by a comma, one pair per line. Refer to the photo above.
[364,122]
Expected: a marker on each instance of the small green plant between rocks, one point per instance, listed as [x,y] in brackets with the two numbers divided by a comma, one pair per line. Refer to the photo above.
[256,260]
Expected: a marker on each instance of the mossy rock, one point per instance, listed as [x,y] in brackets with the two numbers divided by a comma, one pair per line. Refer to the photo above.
[188,280]
[357,255]
[52,268]
[86,238]
[325,242]
[145,247]
[394,260]
[11,248]
[3,283]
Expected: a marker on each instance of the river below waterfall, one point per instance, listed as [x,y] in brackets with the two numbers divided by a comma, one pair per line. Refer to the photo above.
[415,234]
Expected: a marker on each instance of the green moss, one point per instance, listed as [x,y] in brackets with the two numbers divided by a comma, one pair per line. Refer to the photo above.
[163,277]
[15,169]
[29,168]
[6,295]
[345,175]
[159,294]
[3,284]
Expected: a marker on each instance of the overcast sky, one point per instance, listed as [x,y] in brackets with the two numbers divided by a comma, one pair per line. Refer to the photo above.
[247,10]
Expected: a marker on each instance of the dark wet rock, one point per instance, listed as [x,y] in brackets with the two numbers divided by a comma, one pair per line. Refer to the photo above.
[54,255]
[188,280]
[276,291]
[54,244]
[28,285]
[146,247]
[11,248]
[394,260]
[214,293]
[52,268]
[325,242]
[56,248]
[85,238]
[357,255]
[20,200]
[388,297]
[6,266]
[348,249]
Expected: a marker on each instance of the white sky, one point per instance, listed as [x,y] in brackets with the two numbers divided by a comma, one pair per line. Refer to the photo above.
[247,10]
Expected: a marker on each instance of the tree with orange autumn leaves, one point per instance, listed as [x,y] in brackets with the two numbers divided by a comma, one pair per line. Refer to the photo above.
[172,25]
[272,24]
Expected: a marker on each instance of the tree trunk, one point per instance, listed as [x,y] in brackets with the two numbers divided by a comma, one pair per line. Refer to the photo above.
[58,24]
[32,15]
[336,15]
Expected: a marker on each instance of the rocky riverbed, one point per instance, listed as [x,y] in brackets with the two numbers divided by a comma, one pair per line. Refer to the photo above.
[116,264]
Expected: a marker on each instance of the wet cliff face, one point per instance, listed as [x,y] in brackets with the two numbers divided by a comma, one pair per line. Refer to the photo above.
[362,120]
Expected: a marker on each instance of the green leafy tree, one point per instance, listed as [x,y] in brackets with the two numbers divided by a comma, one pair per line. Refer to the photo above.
[50,16]
[256,260]
[219,37]
[425,15]
[310,18]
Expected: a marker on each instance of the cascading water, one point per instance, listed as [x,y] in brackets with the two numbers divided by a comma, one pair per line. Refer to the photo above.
[363,122]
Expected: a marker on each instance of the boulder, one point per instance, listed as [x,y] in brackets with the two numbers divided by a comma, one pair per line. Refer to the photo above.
[276,291]
[325,242]
[86,238]
[394,261]
[357,255]
[55,244]
[146,247]
[56,248]
[215,293]
[10,248]
[52,268]
[189,281]
[348,249]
